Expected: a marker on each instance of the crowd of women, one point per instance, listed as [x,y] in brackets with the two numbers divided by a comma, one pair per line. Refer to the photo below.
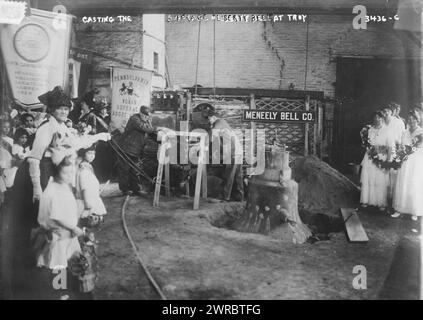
[52,195]
[392,167]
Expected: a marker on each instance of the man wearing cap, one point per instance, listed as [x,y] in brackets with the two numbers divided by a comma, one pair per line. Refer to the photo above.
[133,140]
[233,171]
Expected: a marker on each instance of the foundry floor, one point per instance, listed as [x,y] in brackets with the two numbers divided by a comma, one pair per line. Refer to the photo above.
[192,259]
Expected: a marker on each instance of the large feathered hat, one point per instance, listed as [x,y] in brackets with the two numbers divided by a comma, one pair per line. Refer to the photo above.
[55,98]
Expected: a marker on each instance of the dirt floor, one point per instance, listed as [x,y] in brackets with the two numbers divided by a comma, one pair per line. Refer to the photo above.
[190,258]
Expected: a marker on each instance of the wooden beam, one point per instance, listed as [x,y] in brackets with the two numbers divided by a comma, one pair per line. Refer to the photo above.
[267,93]
[167,180]
[306,127]
[253,129]
[320,128]
[355,230]
[198,185]
[204,182]
[132,7]
[162,154]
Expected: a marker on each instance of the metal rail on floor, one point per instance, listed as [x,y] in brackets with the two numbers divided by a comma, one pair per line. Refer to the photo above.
[136,251]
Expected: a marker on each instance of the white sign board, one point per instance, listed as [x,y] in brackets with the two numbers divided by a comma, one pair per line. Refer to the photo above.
[35,53]
[131,89]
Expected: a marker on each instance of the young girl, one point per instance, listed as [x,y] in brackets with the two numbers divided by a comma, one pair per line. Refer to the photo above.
[58,214]
[20,149]
[91,206]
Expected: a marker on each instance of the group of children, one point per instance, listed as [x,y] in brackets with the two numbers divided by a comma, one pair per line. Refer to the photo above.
[14,150]
[70,212]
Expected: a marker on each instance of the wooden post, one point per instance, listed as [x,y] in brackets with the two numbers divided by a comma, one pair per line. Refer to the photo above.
[320,124]
[162,155]
[315,129]
[188,108]
[198,178]
[204,177]
[307,107]
[167,180]
[253,128]
[201,165]
[204,182]
[178,113]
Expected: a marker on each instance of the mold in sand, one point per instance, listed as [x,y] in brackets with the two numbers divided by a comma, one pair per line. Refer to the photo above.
[321,225]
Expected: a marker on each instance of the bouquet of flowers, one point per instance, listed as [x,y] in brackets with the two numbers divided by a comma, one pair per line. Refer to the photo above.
[404,151]
[364,134]
[378,154]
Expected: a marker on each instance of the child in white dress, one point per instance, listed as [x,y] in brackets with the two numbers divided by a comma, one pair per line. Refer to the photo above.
[91,207]
[58,215]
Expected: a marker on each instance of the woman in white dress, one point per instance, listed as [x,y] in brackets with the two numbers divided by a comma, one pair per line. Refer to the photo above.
[374,180]
[395,128]
[409,187]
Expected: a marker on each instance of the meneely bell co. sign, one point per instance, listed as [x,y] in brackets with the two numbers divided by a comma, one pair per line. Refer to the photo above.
[278,116]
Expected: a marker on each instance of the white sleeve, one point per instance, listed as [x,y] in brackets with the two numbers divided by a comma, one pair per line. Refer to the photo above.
[18,151]
[42,140]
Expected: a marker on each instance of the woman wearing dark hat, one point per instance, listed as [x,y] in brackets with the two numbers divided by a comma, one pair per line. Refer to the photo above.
[104,162]
[34,174]
[51,132]
[87,115]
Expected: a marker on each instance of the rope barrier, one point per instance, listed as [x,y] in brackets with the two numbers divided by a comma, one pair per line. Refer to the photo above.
[121,153]
[136,251]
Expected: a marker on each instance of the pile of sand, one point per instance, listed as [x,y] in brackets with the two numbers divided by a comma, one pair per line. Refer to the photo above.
[322,189]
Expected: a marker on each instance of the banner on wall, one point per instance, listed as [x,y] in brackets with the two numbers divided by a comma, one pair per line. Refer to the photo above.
[74,74]
[35,54]
[131,89]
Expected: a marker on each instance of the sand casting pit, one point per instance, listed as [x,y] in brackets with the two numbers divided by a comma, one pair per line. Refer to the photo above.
[192,255]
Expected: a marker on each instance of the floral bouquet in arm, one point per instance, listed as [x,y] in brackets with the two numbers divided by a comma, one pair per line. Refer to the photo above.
[404,151]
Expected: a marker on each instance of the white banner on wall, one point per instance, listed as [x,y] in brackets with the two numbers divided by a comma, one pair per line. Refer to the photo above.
[35,53]
[131,89]
[74,73]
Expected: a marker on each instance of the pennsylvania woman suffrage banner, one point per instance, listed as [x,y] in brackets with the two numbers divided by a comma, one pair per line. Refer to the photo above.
[131,89]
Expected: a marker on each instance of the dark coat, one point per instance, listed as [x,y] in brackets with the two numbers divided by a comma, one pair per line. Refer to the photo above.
[136,132]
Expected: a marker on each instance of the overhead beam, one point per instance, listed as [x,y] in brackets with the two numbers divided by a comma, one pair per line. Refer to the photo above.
[94,7]
[268,93]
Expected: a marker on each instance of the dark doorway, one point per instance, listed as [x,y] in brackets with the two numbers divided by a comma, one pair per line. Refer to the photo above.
[363,86]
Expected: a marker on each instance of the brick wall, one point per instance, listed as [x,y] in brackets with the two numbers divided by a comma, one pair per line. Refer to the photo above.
[273,55]
[154,42]
[121,40]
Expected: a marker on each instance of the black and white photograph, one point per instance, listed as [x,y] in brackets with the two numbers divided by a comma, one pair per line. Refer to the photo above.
[219,151]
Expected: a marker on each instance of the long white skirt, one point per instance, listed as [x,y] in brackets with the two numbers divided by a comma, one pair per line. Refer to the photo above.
[59,250]
[408,193]
[374,184]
